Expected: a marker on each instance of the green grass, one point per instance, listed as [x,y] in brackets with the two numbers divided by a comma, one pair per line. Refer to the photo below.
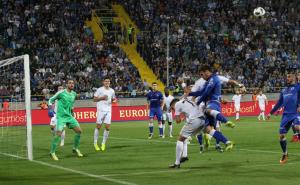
[131,157]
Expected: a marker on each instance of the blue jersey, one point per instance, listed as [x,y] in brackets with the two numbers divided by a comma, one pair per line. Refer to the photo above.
[288,100]
[155,98]
[211,90]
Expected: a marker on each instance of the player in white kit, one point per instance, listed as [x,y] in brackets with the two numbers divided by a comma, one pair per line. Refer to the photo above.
[237,104]
[167,114]
[53,121]
[262,102]
[104,96]
[196,122]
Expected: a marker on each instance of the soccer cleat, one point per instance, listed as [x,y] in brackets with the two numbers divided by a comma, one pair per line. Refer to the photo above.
[201,149]
[103,147]
[53,156]
[163,136]
[174,166]
[171,136]
[183,159]
[228,146]
[219,149]
[230,124]
[77,152]
[295,139]
[62,144]
[150,136]
[96,147]
[284,159]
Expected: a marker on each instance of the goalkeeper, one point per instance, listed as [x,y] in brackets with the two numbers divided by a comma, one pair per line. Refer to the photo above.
[65,102]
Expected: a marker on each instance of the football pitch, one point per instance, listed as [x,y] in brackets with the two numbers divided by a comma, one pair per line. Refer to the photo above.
[130,158]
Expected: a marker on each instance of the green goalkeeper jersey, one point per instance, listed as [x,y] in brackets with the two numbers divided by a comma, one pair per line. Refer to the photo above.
[65,103]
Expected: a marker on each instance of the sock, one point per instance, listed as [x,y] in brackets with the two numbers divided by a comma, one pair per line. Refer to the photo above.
[179,150]
[237,116]
[263,115]
[283,145]
[170,129]
[105,136]
[184,153]
[164,127]
[218,136]
[218,116]
[63,134]
[160,127]
[200,139]
[96,135]
[54,143]
[77,140]
[217,141]
[151,128]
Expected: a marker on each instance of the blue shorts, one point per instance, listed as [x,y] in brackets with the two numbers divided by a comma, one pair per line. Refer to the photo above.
[214,105]
[155,112]
[287,121]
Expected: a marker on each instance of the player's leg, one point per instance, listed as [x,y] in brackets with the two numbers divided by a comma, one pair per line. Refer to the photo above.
[214,110]
[237,112]
[158,114]
[63,135]
[296,134]
[77,137]
[99,122]
[219,136]
[170,123]
[107,121]
[163,121]
[53,125]
[284,128]
[218,128]
[200,141]
[187,130]
[56,139]
[151,117]
[263,113]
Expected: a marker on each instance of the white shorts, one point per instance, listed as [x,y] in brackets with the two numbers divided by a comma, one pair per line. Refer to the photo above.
[237,108]
[103,117]
[193,127]
[262,108]
[167,116]
[53,121]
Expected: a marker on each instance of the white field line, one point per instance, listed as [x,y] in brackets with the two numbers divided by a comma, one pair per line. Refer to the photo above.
[73,171]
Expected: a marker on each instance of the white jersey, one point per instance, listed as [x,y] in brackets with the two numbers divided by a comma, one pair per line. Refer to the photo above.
[189,109]
[261,99]
[237,99]
[104,105]
[168,101]
[199,84]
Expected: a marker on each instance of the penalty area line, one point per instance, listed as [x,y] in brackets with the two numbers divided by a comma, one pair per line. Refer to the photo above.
[72,170]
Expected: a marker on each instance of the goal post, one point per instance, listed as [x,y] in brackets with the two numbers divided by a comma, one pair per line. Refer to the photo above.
[15,118]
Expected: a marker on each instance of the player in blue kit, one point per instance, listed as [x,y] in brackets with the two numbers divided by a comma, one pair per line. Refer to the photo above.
[155,103]
[211,94]
[289,101]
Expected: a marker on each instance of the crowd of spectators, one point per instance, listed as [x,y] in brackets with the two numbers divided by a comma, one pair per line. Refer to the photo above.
[61,47]
[225,34]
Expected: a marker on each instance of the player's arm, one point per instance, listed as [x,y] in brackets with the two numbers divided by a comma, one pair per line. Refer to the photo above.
[51,111]
[113,97]
[162,101]
[177,113]
[98,96]
[277,106]
[266,100]
[207,90]
[148,102]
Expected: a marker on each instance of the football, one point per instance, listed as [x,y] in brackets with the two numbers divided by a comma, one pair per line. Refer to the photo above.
[259,12]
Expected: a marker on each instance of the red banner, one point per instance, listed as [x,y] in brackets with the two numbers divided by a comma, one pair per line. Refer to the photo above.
[119,113]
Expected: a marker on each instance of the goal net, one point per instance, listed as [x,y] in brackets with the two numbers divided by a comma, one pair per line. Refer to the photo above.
[15,110]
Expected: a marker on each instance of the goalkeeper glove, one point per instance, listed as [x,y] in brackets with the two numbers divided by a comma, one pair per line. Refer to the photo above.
[51,112]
